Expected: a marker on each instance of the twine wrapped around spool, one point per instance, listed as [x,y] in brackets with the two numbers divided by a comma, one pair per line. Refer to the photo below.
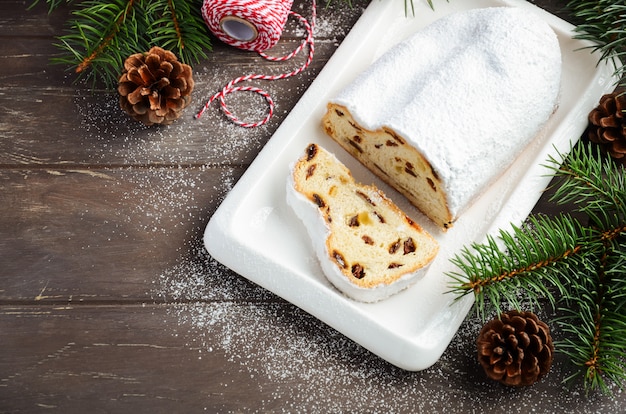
[254,25]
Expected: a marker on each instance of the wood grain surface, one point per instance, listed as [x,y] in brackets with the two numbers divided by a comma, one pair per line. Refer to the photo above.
[110,304]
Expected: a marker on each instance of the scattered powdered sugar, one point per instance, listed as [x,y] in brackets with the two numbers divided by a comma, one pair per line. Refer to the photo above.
[180,143]
[311,367]
[329,26]
[115,136]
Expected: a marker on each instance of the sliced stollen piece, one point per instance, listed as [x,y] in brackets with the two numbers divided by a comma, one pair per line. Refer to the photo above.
[367,247]
[445,112]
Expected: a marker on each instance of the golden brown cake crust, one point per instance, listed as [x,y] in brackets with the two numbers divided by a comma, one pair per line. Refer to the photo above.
[384,150]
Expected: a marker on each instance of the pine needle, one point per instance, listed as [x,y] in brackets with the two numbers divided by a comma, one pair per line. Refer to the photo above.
[595,184]
[523,265]
[101,35]
[604,25]
[578,268]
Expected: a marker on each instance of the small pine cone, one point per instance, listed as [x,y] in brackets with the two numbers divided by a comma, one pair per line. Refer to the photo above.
[515,349]
[155,87]
[607,125]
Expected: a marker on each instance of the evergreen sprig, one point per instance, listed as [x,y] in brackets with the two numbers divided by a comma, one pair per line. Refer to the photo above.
[592,317]
[101,35]
[521,265]
[594,186]
[603,22]
[578,267]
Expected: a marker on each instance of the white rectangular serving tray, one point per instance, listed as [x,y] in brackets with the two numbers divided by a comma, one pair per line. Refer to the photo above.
[256,234]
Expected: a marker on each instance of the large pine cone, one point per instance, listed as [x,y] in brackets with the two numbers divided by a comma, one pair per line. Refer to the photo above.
[607,125]
[515,349]
[155,87]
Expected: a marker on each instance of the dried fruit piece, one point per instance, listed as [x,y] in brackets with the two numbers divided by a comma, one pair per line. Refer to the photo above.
[394,247]
[339,259]
[358,271]
[409,246]
[368,240]
[311,151]
[319,200]
[354,221]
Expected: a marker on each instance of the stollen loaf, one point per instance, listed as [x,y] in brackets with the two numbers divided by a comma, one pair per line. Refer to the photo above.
[445,112]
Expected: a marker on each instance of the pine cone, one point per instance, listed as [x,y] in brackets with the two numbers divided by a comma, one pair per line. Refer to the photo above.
[155,87]
[515,349]
[607,125]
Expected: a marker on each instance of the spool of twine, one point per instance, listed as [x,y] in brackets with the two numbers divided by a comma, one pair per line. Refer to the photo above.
[254,25]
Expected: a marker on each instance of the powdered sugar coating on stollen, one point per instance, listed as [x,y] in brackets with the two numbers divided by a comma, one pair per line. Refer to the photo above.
[469,91]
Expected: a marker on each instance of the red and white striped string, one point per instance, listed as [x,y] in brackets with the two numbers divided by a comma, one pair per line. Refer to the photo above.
[268,18]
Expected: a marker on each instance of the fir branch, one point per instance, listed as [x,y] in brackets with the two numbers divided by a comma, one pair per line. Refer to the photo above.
[178,26]
[603,24]
[102,35]
[118,17]
[521,265]
[595,320]
[593,183]
[584,264]
[93,47]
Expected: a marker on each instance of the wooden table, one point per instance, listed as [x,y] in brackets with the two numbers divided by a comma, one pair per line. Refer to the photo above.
[108,301]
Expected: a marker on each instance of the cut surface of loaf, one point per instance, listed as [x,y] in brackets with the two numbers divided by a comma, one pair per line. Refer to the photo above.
[367,247]
[445,112]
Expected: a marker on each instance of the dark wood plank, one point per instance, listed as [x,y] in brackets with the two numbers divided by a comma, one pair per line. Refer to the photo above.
[94,130]
[108,302]
[25,19]
[106,235]
[74,364]
[237,357]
